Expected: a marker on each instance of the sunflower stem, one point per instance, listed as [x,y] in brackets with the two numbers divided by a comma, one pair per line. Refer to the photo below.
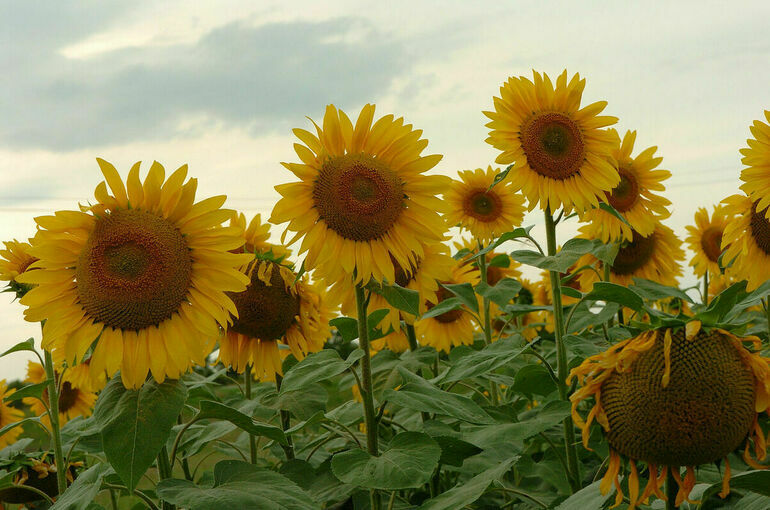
[706,288]
[606,278]
[573,475]
[482,261]
[164,472]
[285,423]
[247,380]
[412,337]
[366,392]
[53,406]
[671,490]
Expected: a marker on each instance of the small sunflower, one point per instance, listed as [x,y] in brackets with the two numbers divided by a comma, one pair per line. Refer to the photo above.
[486,213]
[674,398]
[8,415]
[142,274]
[395,341]
[454,327]
[655,257]
[633,197]
[276,308]
[14,260]
[746,241]
[756,157]
[73,400]
[705,240]
[257,235]
[560,154]
[362,202]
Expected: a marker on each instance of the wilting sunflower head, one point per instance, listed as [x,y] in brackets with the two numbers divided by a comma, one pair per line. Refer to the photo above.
[8,415]
[73,400]
[746,241]
[276,308]
[559,151]
[705,240]
[362,200]
[140,276]
[675,398]
[14,260]
[756,157]
[633,197]
[485,211]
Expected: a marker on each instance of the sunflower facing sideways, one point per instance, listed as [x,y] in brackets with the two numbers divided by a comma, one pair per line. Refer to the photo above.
[705,240]
[276,308]
[560,153]
[746,241]
[485,212]
[756,178]
[73,400]
[362,203]
[141,274]
[674,398]
[633,197]
[8,415]
[14,260]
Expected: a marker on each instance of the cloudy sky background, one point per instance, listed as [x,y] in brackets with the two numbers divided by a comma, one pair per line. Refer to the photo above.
[220,84]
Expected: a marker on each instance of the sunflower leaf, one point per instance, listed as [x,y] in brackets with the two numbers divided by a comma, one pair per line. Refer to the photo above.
[502,293]
[446,305]
[604,206]
[463,495]
[32,390]
[612,292]
[488,359]
[508,236]
[654,291]
[500,176]
[218,411]
[399,297]
[26,345]
[466,294]
[317,367]
[84,489]
[723,303]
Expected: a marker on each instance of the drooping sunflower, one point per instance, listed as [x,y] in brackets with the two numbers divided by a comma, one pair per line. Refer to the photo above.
[746,241]
[486,213]
[14,260]
[705,240]
[756,157]
[8,415]
[73,400]
[276,308]
[452,328]
[560,154]
[141,275]
[362,203]
[654,257]
[634,196]
[674,399]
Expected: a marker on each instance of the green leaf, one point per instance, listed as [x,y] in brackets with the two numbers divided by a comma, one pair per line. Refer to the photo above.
[586,498]
[604,206]
[84,489]
[501,260]
[218,411]
[403,299]
[408,462]
[655,291]
[373,323]
[508,236]
[19,423]
[533,380]
[317,367]
[26,345]
[420,395]
[454,451]
[502,293]
[444,306]
[347,326]
[614,293]
[466,294]
[584,317]
[499,176]
[542,419]
[488,359]
[573,293]
[32,390]
[238,484]
[723,303]
[753,481]
[465,494]
[136,424]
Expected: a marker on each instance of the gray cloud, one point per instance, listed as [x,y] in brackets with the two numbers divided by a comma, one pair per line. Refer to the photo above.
[262,78]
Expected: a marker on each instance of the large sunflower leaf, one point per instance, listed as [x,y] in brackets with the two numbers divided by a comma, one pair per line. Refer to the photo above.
[317,367]
[465,494]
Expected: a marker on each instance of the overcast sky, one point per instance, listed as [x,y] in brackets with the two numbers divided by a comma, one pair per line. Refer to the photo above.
[220,84]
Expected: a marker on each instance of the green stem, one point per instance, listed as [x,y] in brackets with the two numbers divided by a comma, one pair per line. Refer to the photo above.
[247,380]
[53,406]
[285,423]
[606,278]
[706,288]
[482,261]
[372,435]
[164,472]
[561,354]
[412,337]
[671,490]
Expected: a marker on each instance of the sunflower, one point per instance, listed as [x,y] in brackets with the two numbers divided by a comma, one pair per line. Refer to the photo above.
[73,400]
[14,260]
[560,154]
[142,274]
[276,308]
[485,211]
[756,157]
[362,203]
[433,266]
[257,235]
[705,240]
[8,415]
[454,327]
[633,197]
[674,398]
[654,257]
[746,241]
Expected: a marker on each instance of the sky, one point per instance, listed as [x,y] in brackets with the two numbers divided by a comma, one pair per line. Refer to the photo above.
[220,84]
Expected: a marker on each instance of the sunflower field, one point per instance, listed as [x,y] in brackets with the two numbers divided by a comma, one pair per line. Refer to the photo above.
[375,359]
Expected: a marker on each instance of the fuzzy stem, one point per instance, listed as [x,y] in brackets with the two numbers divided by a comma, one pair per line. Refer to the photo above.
[412,336]
[606,278]
[164,472]
[53,406]
[372,435]
[672,488]
[706,288]
[482,261]
[561,354]
[247,380]
[285,423]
